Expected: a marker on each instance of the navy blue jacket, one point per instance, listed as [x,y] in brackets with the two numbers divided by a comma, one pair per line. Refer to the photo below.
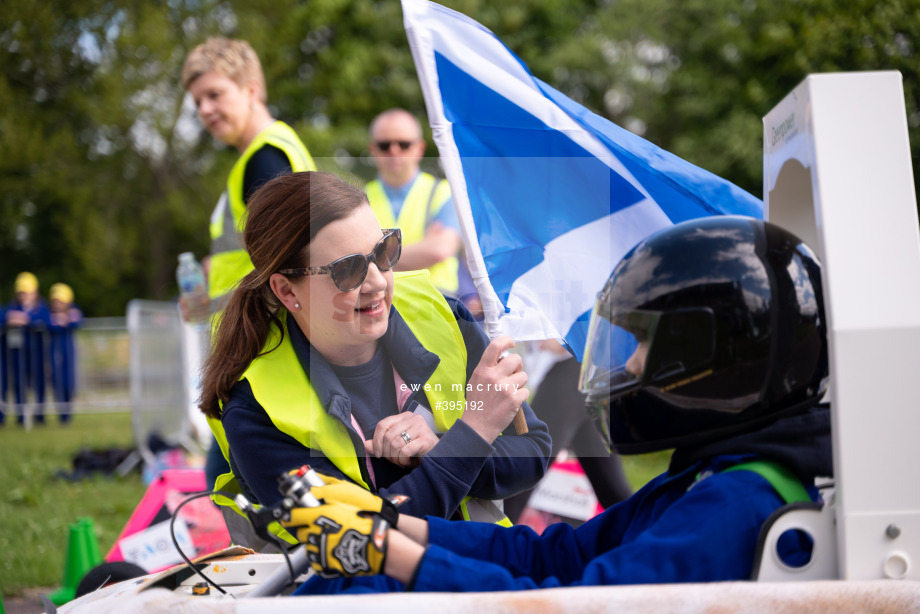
[62,350]
[31,356]
[461,464]
[690,524]
[40,321]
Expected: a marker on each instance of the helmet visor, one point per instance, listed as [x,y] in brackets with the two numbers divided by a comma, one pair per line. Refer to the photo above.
[617,350]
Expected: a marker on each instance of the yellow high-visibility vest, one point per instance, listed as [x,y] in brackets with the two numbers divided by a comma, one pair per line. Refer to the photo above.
[424,200]
[283,390]
[229,261]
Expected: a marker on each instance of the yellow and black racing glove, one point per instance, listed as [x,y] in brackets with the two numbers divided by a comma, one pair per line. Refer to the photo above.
[340,539]
[349,493]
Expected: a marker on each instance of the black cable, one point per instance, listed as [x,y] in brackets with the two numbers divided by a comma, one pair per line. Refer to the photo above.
[284,550]
[282,546]
[172,534]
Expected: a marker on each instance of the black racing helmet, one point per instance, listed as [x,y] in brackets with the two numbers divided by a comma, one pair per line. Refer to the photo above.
[706,329]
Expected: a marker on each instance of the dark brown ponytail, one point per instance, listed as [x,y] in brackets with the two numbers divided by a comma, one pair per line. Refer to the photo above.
[283,217]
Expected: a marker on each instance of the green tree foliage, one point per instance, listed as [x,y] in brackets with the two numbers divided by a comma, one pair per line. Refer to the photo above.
[696,77]
[106,175]
[93,191]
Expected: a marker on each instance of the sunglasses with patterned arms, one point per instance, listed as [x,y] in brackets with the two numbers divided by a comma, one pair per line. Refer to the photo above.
[349,272]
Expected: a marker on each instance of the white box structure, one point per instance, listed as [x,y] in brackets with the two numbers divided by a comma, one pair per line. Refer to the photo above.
[837,172]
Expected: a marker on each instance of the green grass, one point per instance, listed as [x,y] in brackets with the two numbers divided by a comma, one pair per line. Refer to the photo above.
[37,509]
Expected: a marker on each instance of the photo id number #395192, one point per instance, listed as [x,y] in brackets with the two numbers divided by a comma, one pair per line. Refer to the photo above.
[460,405]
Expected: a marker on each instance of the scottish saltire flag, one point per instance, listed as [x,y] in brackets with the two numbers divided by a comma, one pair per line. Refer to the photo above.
[550,196]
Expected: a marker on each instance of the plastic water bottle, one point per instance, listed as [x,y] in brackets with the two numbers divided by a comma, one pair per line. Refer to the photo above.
[195,333]
[190,277]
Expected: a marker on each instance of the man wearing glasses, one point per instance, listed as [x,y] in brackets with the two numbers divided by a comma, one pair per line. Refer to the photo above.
[416,202]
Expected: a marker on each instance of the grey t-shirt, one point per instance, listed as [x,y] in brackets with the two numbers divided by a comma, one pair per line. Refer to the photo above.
[371,389]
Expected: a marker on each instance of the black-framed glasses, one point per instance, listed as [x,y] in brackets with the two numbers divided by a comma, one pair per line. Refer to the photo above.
[385,145]
[349,272]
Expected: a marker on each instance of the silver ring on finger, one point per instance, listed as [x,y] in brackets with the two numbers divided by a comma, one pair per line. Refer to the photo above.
[406,437]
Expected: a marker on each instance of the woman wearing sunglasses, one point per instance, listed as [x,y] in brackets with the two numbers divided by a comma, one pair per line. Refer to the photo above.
[324,357]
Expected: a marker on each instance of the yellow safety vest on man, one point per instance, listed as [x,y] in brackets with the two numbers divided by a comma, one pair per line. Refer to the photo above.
[424,200]
[283,390]
[229,261]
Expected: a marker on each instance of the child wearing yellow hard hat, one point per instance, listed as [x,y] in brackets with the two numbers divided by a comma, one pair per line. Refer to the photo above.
[65,318]
[27,321]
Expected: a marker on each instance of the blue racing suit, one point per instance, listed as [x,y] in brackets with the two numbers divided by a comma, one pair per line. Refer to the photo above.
[694,523]
[691,524]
